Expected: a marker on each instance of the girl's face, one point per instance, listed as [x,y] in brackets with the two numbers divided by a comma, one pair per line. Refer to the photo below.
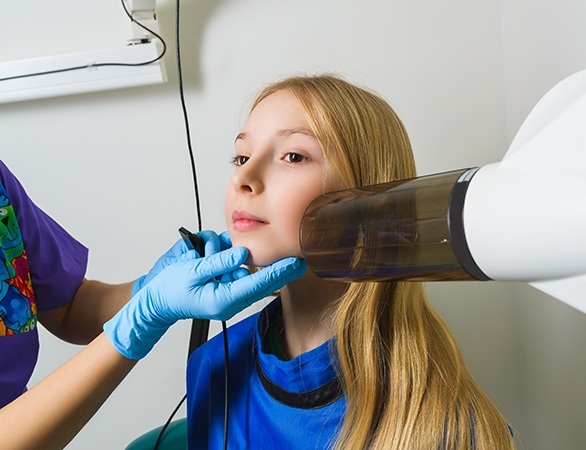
[280,169]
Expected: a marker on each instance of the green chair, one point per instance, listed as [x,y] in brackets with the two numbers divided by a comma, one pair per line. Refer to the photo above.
[174,438]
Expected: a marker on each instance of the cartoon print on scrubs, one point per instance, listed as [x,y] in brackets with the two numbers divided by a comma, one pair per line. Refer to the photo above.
[18,312]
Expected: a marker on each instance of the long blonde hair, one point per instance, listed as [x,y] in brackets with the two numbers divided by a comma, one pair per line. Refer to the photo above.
[403,375]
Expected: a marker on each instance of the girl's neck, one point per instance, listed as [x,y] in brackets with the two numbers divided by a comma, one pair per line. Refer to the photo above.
[308,305]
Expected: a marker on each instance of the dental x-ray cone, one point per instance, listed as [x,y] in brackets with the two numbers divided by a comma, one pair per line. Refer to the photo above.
[523,219]
[404,230]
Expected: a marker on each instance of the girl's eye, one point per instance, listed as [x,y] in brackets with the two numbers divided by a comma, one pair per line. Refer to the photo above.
[294,158]
[239,160]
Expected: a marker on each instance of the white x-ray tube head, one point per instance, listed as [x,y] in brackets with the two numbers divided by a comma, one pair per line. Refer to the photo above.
[526,216]
[523,219]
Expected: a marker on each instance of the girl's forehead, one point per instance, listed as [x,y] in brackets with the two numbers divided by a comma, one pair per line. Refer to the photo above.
[278,110]
[282,98]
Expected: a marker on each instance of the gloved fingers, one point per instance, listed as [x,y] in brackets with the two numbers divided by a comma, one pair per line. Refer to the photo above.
[225,240]
[187,256]
[236,274]
[179,272]
[267,280]
[212,242]
[177,249]
[220,263]
[231,298]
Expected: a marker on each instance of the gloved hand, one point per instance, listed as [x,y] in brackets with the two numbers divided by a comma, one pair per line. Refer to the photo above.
[213,287]
[213,244]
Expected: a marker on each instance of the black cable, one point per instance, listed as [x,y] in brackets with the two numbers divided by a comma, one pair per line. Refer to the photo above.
[164,428]
[70,69]
[199,221]
[185,116]
[226,382]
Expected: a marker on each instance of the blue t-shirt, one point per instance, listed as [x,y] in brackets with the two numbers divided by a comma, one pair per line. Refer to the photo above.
[41,267]
[295,404]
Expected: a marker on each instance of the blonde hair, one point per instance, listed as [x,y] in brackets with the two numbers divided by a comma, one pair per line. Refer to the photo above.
[403,375]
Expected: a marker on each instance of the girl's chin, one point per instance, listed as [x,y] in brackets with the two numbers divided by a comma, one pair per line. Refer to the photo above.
[262,260]
[261,254]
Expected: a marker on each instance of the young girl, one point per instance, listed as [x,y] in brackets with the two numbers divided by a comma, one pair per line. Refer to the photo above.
[328,364]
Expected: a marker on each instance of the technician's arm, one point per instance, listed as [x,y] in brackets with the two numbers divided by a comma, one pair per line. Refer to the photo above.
[81,320]
[50,414]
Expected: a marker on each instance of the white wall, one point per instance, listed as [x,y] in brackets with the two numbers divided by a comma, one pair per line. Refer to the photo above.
[112,167]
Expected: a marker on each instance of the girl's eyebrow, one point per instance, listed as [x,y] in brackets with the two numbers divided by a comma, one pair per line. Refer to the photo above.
[241,136]
[289,131]
[285,132]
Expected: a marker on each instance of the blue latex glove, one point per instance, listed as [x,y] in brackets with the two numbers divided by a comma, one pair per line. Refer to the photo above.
[213,244]
[213,287]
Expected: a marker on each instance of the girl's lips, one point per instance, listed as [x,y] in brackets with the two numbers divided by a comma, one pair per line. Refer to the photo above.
[244,221]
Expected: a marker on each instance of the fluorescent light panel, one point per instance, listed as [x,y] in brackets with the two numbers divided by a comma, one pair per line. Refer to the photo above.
[90,79]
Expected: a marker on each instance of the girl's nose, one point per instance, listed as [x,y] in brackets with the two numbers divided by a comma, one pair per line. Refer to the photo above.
[248,177]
